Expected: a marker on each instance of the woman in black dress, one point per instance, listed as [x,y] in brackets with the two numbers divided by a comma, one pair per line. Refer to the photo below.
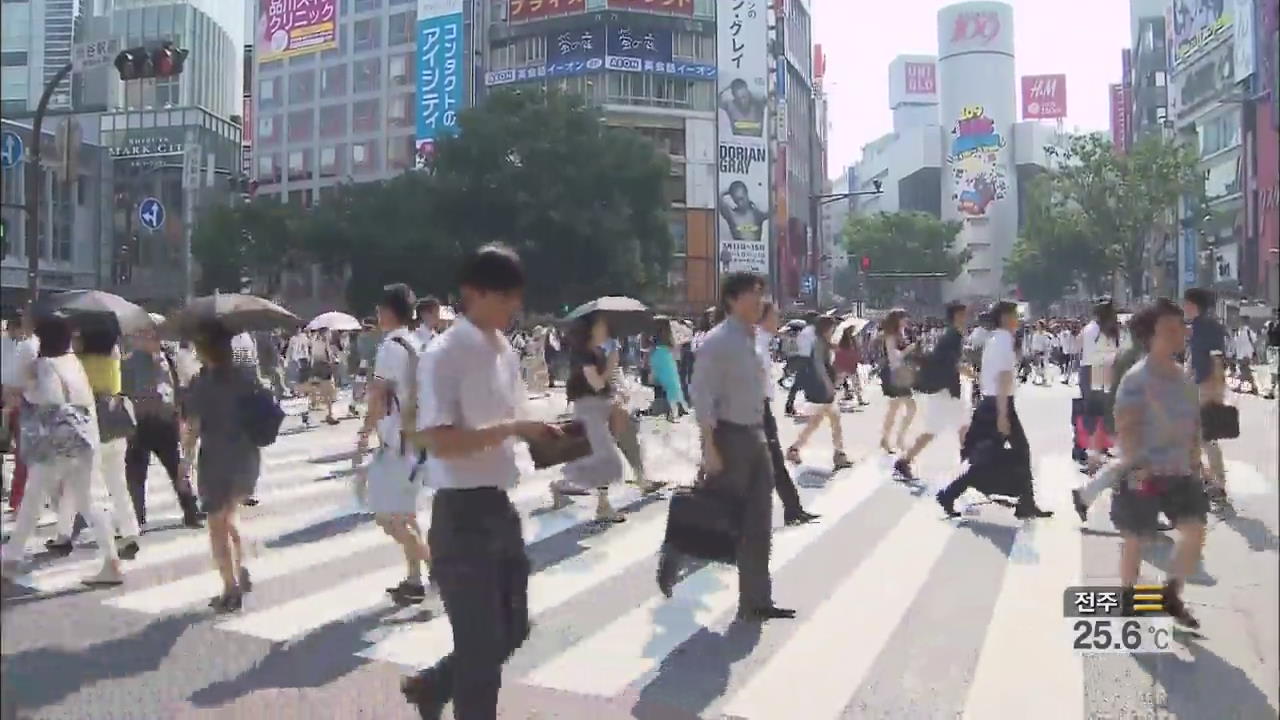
[818,380]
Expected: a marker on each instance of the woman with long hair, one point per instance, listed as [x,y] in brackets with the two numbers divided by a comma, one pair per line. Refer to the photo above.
[590,389]
[663,370]
[848,358]
[895,376]
[57,384]
[820,389]
[229,461]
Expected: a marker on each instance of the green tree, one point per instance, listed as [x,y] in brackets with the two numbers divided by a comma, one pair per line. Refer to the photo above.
[912,242]
[1057,248]
[584,203]
[257,239]
[1127,200]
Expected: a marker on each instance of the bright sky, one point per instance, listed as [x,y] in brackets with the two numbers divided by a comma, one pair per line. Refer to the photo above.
[1082,38]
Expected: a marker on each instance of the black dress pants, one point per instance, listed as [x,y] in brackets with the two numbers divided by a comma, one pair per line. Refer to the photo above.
[999,472]
[782,483]
[156,435]
[478,561]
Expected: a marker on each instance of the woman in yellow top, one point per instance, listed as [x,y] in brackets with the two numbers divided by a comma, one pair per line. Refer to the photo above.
[99,353]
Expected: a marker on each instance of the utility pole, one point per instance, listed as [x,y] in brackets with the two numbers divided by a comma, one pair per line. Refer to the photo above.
[35,184]
[816,201]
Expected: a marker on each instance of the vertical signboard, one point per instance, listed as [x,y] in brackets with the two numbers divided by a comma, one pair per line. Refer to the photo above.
[440,68]
[1044,97]
[1120,117]
[742,122]
[1243,44]
[295,27]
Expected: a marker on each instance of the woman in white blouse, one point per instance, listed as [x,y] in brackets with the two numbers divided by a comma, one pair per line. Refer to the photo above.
[1100,344]
[895,378]
[57,378]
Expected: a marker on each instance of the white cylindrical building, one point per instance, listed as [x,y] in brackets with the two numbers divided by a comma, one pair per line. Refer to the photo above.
[977,109]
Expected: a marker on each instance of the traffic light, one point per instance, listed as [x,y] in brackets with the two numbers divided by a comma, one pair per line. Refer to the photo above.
[139,63]
[877,185]
[866,263]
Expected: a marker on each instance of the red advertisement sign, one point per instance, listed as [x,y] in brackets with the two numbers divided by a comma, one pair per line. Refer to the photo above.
[677,7]
[980,27]
[1120,115]
[246,130]
[533,9]
[922,78]
[1044,97]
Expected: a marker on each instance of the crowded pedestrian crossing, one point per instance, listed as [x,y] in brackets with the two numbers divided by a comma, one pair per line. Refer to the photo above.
[889,592]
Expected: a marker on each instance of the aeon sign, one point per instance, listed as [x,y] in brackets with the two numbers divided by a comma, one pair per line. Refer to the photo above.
[980,27]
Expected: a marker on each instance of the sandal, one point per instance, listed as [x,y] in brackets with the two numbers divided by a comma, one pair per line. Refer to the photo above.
[884,445]
[793,455]
[227,602]
[841,461]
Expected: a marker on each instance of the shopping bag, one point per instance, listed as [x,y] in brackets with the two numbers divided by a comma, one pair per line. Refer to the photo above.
[702,523]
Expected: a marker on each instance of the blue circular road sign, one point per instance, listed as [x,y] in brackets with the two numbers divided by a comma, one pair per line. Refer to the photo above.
[11,149]
[151,213]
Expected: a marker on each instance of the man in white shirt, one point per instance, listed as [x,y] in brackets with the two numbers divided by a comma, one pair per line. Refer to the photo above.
[995,424]
[803,349]
[393,483]
[20,351]
[1041,344]
[470,404]
[428,320]
[1066,348]
[1245,342]
[320,387]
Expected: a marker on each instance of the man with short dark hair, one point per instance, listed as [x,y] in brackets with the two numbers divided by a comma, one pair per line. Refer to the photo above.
[1206,363]
[728,393]
[428,319]
[470,403]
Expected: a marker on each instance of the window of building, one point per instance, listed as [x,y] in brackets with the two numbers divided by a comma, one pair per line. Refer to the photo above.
[674,189]
[332,161]
[1159,78]
[367,33]
[268,130]
[333,121]
[365,116]
[82,190]
[401,153]
[367,5]
[333,81]
[299,164]
[364,158]
[15,58]
[167,94]
[400,28]
[400,112]
[302,125]
[367,74]
[693,46]
[400,69]
[300,198]
[302,86]
[679,233]
[269,94]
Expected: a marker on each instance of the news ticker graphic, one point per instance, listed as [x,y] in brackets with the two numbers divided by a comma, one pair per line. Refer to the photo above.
[1100,621]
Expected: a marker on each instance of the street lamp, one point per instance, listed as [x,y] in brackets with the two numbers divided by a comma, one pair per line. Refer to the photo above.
[815,213]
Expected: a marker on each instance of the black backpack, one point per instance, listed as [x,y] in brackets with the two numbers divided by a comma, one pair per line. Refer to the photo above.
[260,416]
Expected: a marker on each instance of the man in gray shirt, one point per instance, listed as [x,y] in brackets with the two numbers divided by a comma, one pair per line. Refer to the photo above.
[728,391]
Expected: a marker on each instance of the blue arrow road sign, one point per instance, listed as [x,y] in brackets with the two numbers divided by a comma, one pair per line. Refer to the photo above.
[151,213]
[10,149]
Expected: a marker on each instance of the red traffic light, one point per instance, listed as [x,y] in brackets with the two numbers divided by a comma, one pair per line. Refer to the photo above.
[168,60]
[139,63]
[866,263]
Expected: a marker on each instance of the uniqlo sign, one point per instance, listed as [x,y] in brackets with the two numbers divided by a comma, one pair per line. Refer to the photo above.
[921,78]
[1044,97]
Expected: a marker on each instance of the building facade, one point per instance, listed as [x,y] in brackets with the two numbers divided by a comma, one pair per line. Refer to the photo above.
[75,224]
[35,43]
[652,68]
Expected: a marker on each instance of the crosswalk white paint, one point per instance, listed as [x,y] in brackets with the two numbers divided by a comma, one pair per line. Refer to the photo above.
[1047,558]
[631,647]
[821,666]
[607,556]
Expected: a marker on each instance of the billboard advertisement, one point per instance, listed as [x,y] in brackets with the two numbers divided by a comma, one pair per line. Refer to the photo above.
[621,46]
[742,122]
[1196,24]
[1044,97]
[287,28]
[677,7]
[440,68]
[1120,116]
[1244,42]
[920,78]
[518,10]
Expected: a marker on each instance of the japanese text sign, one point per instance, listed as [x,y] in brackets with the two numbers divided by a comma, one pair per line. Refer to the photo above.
[295,27]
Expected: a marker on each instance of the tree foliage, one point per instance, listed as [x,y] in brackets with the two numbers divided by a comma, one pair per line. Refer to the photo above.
[912,242]
[582,202]
[1119,206]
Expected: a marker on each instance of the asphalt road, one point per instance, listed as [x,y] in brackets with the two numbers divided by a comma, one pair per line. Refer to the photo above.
[902,614]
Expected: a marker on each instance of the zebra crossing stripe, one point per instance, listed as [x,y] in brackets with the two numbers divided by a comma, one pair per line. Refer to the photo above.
[610,556]
[1046,558]
[631,648]
[63,576]
[818,670]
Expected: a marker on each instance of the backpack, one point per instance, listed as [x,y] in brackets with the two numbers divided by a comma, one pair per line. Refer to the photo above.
[409,407]
[260,415]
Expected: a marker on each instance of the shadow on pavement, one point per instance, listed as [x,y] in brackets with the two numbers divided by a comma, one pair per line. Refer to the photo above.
[1207,686]
[307,662]
[45,676]
[1254,531]
[696,674]
[319,531]
[1001,536]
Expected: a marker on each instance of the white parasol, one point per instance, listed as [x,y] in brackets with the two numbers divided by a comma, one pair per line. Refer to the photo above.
[334,321]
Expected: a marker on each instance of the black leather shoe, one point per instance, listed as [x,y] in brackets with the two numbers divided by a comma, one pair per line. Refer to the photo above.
[768,613]
[799,518]
[426,694]
[948,506]
[666,572]
[1029,510]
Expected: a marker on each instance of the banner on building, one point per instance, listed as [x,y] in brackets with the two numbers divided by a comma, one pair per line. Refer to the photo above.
[1196,24]
[677,7]
[920,78]
[743,121]
[440,72]
[624,47]
[1120,117]
[518,10]
[1044,97]
[1243,43]
[287,28]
